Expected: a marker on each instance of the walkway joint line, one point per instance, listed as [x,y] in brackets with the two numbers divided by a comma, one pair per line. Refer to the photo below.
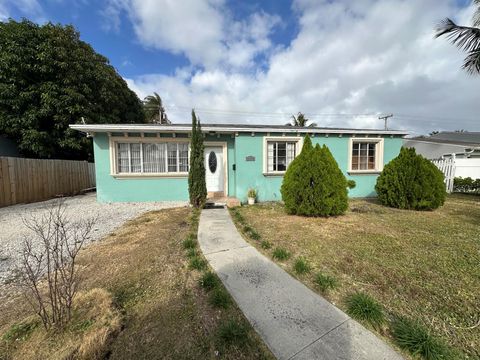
[314,341]
[225,250]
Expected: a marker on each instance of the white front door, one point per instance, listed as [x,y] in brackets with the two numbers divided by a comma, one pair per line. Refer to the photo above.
[214,169]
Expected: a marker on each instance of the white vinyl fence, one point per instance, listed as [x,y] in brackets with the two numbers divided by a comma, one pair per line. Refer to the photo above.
[447,166]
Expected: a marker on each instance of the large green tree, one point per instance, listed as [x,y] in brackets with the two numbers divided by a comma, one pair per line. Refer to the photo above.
[49,79]
[466,38]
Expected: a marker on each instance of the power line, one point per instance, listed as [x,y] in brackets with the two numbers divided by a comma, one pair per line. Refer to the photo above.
[272,115]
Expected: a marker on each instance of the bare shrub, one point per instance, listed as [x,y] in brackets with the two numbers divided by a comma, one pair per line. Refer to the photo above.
[48,264]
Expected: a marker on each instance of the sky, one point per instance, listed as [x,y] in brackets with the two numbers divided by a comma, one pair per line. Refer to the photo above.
[342,63]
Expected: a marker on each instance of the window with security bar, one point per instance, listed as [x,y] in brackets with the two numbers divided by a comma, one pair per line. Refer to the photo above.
[152,158]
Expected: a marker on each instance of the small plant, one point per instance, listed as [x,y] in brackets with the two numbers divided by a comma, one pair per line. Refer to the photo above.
[220,298]
[251,232]
[301,265]
[413,337]
[281,254]
[53,259]
[189,242]
[265,245]
[252,193]
[197,263]
[325,282]
[192,252]
[233,333]
[363,307]
[20,331]
[209,281]
[238,217]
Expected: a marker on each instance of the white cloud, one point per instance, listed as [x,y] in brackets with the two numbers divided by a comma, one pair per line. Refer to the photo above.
[202,30]
[349,56]
[29,8]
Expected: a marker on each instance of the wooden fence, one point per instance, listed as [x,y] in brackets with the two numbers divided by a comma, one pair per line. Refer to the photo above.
[447,166]
[30,180]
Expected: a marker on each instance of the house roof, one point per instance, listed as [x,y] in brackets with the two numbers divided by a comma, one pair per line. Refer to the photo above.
[227,128]
[466,139]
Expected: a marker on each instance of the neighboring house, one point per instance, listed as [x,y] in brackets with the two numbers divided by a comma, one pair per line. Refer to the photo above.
[150,162]
[462,148]
[8,147]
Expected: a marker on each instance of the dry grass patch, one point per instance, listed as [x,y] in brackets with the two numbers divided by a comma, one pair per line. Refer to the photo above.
[422,265]
[94,324]
[162,310]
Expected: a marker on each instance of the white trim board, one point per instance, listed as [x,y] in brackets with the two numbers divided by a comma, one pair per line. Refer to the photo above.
[129,128]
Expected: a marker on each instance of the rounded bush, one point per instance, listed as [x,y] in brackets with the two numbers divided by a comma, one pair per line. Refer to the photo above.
[411,182]
[314,185]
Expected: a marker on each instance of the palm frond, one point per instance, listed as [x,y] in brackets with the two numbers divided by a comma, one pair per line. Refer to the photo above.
[472,62]
[464,37]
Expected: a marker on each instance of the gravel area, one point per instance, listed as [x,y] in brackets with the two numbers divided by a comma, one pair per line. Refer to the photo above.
[109,217]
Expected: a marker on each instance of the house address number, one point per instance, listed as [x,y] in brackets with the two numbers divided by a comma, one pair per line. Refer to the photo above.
[250,158]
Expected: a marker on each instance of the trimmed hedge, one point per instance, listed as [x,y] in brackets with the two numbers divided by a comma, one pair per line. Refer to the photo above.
[466,185]
[314,185]
[411,182]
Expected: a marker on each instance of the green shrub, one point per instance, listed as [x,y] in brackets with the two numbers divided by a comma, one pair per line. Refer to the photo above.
[254,235]
[325,282]
[190,242]
[265,244]
[411,182]
[233,333]
[220,298]
[413,337]
[281,254]
[192,252]
[237,216]
[301,265]
[466,185]
[363,307]
[314,185]
[209,281]
[197,263]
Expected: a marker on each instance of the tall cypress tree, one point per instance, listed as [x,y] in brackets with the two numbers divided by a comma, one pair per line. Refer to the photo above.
[197,186]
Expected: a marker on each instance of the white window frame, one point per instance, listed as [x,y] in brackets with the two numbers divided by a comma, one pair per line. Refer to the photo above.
[298,147]
[113,147]
[379,148]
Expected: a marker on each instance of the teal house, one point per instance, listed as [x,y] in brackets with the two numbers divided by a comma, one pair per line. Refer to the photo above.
[145,162]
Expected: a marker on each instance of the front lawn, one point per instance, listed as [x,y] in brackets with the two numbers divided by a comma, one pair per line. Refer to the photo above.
[140,299]
[422,265]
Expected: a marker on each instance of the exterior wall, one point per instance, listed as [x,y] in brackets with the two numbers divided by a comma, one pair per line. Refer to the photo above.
[250,173]
[467,168]
[143,188]
[246,174]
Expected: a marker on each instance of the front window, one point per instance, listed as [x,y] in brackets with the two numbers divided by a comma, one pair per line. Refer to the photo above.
[280,154]
[152,158]
[366,155]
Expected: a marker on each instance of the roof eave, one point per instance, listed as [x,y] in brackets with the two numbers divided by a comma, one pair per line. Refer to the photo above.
[96,128]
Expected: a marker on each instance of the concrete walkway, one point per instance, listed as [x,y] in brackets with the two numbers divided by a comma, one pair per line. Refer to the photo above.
[294,322]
